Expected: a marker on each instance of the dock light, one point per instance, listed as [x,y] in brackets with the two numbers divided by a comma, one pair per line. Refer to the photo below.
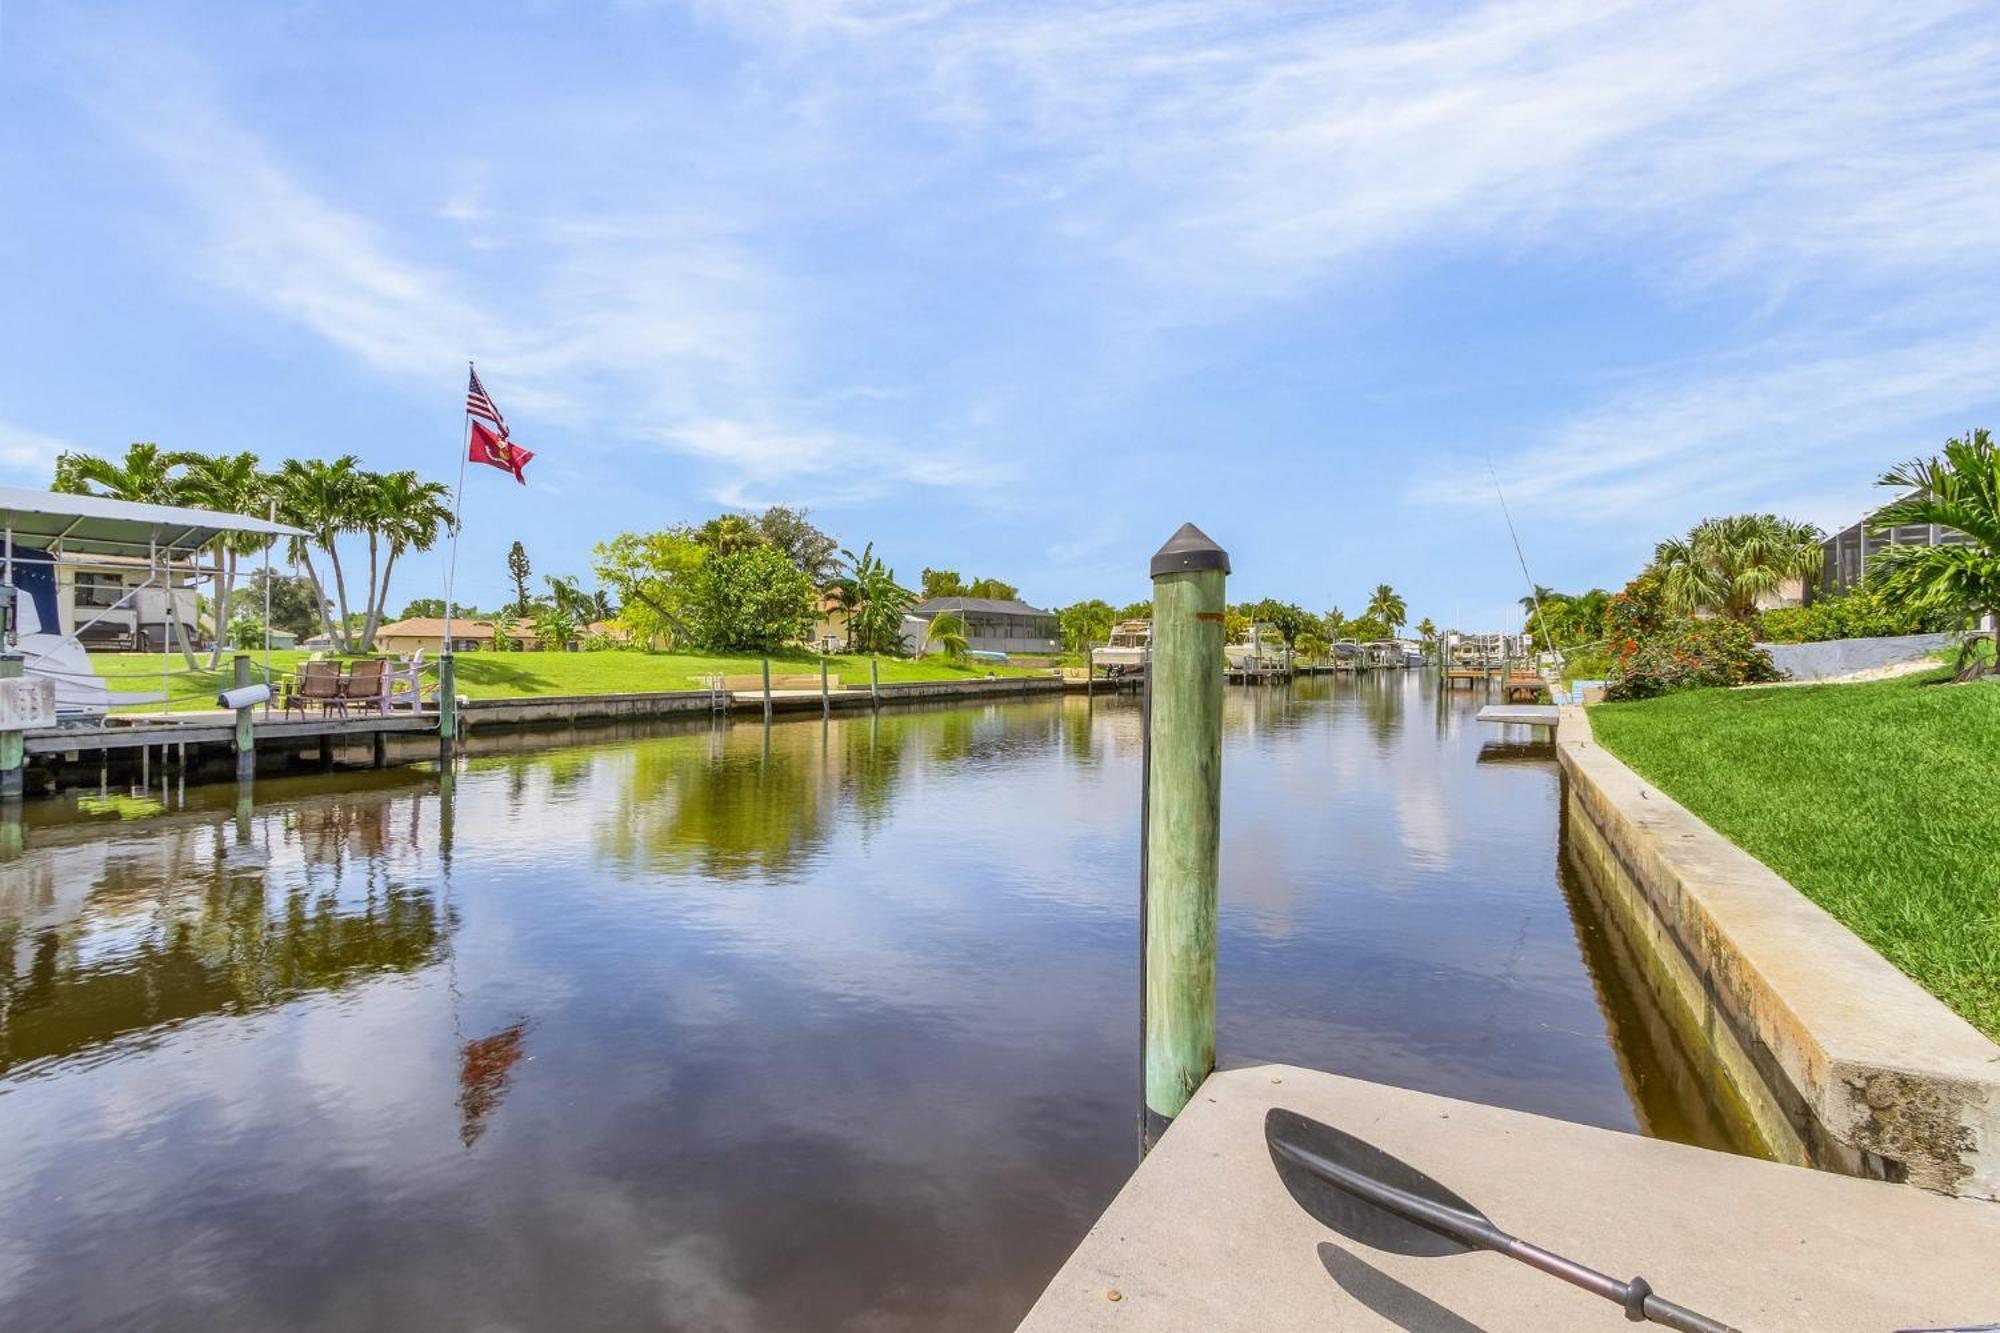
[244,696]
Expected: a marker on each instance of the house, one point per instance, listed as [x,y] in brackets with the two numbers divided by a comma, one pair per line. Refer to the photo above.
[830,629]
[427,633]
[115,601]
[1848,553]
[992,624]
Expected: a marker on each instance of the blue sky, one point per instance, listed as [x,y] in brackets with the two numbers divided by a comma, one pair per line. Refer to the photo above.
[1017,289]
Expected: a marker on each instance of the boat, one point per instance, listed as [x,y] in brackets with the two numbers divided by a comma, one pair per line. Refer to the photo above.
[1264,650]
[1125,652]
[42,532]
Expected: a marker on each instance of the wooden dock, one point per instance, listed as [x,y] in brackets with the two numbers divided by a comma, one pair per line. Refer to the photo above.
[217,728]
[1520,715]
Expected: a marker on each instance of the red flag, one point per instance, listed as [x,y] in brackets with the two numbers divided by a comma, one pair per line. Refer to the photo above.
[496,450]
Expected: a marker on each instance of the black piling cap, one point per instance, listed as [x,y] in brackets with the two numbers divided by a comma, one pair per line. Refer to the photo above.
[1187,551]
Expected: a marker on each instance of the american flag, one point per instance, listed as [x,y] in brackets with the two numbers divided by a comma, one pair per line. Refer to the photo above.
[479,405]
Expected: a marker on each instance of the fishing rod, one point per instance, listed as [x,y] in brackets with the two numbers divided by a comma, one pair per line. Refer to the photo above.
[1368,1195]
[1534,592]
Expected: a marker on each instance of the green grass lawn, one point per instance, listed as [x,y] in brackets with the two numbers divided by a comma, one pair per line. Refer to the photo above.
[505,675]
[1877,800]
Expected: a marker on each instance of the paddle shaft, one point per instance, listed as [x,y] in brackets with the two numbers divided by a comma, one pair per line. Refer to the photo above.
[1637,1298]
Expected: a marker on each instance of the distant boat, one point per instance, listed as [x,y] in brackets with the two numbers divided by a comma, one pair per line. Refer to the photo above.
[1126,650]
[1264,650]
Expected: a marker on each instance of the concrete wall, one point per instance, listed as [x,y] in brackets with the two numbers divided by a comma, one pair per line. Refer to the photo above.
[1841,657]
[568,710]
[1843,1061]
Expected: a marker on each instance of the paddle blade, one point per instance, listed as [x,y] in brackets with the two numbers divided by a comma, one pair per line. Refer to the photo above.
[1290,1136]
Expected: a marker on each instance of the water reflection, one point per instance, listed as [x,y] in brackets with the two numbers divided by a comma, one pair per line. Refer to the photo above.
[112,937]
[823,1025]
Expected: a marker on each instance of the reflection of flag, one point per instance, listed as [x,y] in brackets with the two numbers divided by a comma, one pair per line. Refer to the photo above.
[495,450]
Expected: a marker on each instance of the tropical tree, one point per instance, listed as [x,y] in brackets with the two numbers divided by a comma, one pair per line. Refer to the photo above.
[230,484]
[754,600]
[997,589]
[401,512]
[1724,565]
[945,633]
[874,602]
[520,571]
[1959,490]
[1387,605]
[322,499]
[1427,631]
[1136,611]
[656,577]
[555,627]
[815,554]
[584,607]
[147,474]
[1085,623]
[727,534]
[942,583]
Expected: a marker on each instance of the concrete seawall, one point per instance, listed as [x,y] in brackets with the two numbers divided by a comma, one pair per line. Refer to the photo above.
[1842,1061]
[571,709]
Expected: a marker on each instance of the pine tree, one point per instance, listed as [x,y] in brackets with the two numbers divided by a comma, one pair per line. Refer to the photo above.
[519,570]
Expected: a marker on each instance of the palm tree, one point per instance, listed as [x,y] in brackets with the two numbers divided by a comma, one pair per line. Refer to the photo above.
[1960,491]
[322,498]
[1426,630]
[147,475]
[1724,565]
[946,632]
[1388,606]
[407,513]
[874,601]
[229,484]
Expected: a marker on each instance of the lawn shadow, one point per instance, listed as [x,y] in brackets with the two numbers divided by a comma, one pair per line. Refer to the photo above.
[1403,1306]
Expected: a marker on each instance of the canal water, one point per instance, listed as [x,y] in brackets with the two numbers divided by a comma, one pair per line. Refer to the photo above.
[825,1025]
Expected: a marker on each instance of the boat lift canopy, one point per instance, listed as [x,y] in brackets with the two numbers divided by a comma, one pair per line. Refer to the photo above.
[89,524]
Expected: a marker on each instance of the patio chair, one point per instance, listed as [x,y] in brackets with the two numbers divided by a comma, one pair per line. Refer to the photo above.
[316,683]
[367,684]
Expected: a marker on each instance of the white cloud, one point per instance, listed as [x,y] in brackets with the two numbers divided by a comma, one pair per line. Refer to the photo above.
[1769,436]
[29,454]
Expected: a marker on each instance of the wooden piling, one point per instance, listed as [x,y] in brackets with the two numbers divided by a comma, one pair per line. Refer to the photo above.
[246,738]
[874,684]
[13,744]
[767,690]
[825,697]
[447,703]
[1181,839]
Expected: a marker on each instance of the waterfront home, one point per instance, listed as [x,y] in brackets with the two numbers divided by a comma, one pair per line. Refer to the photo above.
[427,633]
[830,623]
[992,624]
[123,602]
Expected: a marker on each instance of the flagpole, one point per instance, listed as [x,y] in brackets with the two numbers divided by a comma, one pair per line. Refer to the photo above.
[457,503]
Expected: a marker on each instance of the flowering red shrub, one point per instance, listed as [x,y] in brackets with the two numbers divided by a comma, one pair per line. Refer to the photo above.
[1688,654]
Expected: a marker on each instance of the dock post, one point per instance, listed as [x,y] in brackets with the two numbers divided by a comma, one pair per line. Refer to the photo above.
[767,691]
[13,744]
[1180,836]
[381,755]
[825,699]
[874,684]
[447,704]
[246,737]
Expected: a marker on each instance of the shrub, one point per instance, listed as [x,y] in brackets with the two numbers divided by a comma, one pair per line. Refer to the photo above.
[1690,654]
[1861,614]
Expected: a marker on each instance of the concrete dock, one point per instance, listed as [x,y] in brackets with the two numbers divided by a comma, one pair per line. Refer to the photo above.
[1204,1239]
[1520,715]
